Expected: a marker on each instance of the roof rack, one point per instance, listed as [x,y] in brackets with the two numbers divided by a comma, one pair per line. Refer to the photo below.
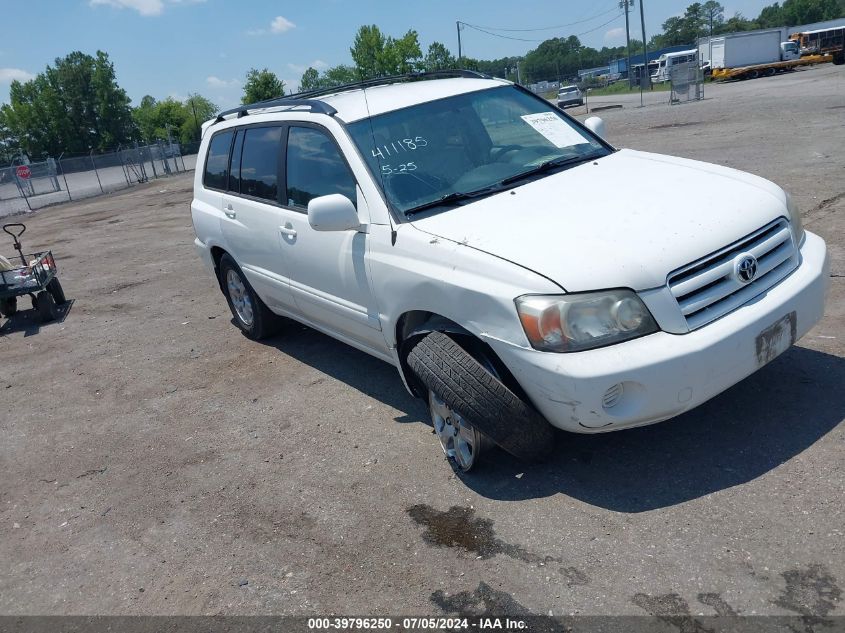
[390,79]
[316,106]
[309,97]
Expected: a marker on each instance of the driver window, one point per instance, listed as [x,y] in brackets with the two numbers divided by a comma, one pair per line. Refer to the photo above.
[315,168]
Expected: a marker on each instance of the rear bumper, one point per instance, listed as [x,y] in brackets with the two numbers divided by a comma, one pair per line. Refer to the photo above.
[663,375]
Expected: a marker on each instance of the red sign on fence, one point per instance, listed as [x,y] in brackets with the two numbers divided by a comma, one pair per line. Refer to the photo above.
[23,172]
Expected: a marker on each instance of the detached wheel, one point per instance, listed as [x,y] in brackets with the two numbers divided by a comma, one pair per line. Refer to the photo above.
[251,315]
[46,307]
[8,307]
[469,398]
[56,290]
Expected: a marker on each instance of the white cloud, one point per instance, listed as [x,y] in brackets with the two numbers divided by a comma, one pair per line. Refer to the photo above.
[281,24]
[614,34]
[143,7]
[8,75]
[216,82]
[319,64]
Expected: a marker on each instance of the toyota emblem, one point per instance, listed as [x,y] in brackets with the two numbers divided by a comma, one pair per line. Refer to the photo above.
[745,268]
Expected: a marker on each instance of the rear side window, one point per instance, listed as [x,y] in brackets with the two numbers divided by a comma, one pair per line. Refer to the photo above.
[217,161]
[235,168]
[259,173]
[315,168]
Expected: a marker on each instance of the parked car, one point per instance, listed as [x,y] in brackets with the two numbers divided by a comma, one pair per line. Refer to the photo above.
[569,96]
[462,230]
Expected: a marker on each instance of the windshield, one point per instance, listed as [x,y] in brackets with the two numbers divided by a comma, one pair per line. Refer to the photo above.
[469,143]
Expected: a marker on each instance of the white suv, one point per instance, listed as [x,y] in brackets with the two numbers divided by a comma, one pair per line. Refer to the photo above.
[570,96]
[517,269]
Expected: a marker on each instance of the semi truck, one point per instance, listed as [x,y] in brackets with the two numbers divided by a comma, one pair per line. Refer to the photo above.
[752,54]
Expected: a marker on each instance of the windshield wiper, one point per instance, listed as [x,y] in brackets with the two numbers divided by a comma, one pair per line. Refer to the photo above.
[548,165]
[449,198]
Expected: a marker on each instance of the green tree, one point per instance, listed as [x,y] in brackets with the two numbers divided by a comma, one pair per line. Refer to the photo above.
[404,55]
[368,52]
[438,57]
[339,75]
[377,55]
[714,16]
[795,12]
[735,24]
[198,109]
[262,85]
[73,106]
[310,80]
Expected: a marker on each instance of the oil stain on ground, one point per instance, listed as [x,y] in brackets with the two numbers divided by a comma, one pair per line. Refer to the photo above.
[671,609]
[484,600]
[458,527]
[718,603]
[812,592]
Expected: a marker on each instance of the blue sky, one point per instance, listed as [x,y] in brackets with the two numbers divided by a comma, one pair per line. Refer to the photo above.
[174,47]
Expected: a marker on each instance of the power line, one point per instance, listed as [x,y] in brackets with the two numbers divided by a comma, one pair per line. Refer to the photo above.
[542,28]
[523,39]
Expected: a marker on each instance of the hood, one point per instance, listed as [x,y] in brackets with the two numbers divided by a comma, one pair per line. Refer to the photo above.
[626,220]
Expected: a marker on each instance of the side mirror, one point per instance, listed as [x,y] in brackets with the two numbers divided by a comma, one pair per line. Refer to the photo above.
[334,212]
[595,125]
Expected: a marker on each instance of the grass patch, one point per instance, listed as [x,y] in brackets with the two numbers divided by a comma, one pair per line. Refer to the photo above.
[622,87]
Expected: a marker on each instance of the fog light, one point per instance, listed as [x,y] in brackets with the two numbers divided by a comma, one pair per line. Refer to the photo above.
[612,396]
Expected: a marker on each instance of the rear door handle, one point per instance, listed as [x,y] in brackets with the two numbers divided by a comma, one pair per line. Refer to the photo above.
[286,230]
[230,213]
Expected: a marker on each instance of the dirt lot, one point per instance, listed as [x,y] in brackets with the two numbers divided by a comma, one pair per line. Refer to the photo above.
[156,461]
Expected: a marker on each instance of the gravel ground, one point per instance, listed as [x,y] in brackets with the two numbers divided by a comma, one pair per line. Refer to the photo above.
[158,462]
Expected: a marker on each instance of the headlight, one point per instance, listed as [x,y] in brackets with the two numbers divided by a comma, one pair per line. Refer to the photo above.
[795,223]
[576,322]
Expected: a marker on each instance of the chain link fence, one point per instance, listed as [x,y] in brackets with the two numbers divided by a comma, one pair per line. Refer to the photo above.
[687,82]
[29,187]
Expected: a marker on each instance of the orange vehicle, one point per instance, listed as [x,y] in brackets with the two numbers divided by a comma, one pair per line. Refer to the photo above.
[823,42]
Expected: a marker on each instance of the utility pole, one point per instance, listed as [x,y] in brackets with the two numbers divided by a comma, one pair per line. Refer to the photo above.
[460,54]
[626,5]
[645,55]
[196,123]
[518,78]
[710,40]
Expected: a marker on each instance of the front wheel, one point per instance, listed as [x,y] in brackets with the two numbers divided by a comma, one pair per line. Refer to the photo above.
[250,314]
[474,397]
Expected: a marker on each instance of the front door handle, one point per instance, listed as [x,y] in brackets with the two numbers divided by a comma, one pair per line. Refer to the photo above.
[230,213]
[288,231]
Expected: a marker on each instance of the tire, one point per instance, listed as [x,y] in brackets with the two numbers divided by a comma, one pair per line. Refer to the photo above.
[248,310]
[485,402]
[8,307]
[754,74]
[839,59]
[46,307]
[56,290]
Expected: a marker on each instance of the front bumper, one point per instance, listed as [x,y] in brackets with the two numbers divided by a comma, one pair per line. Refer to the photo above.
[663,375]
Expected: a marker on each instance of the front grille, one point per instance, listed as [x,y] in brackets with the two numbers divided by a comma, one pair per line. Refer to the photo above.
[707,289]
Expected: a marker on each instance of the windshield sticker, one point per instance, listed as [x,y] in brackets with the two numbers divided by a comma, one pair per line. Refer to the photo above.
[554,129]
